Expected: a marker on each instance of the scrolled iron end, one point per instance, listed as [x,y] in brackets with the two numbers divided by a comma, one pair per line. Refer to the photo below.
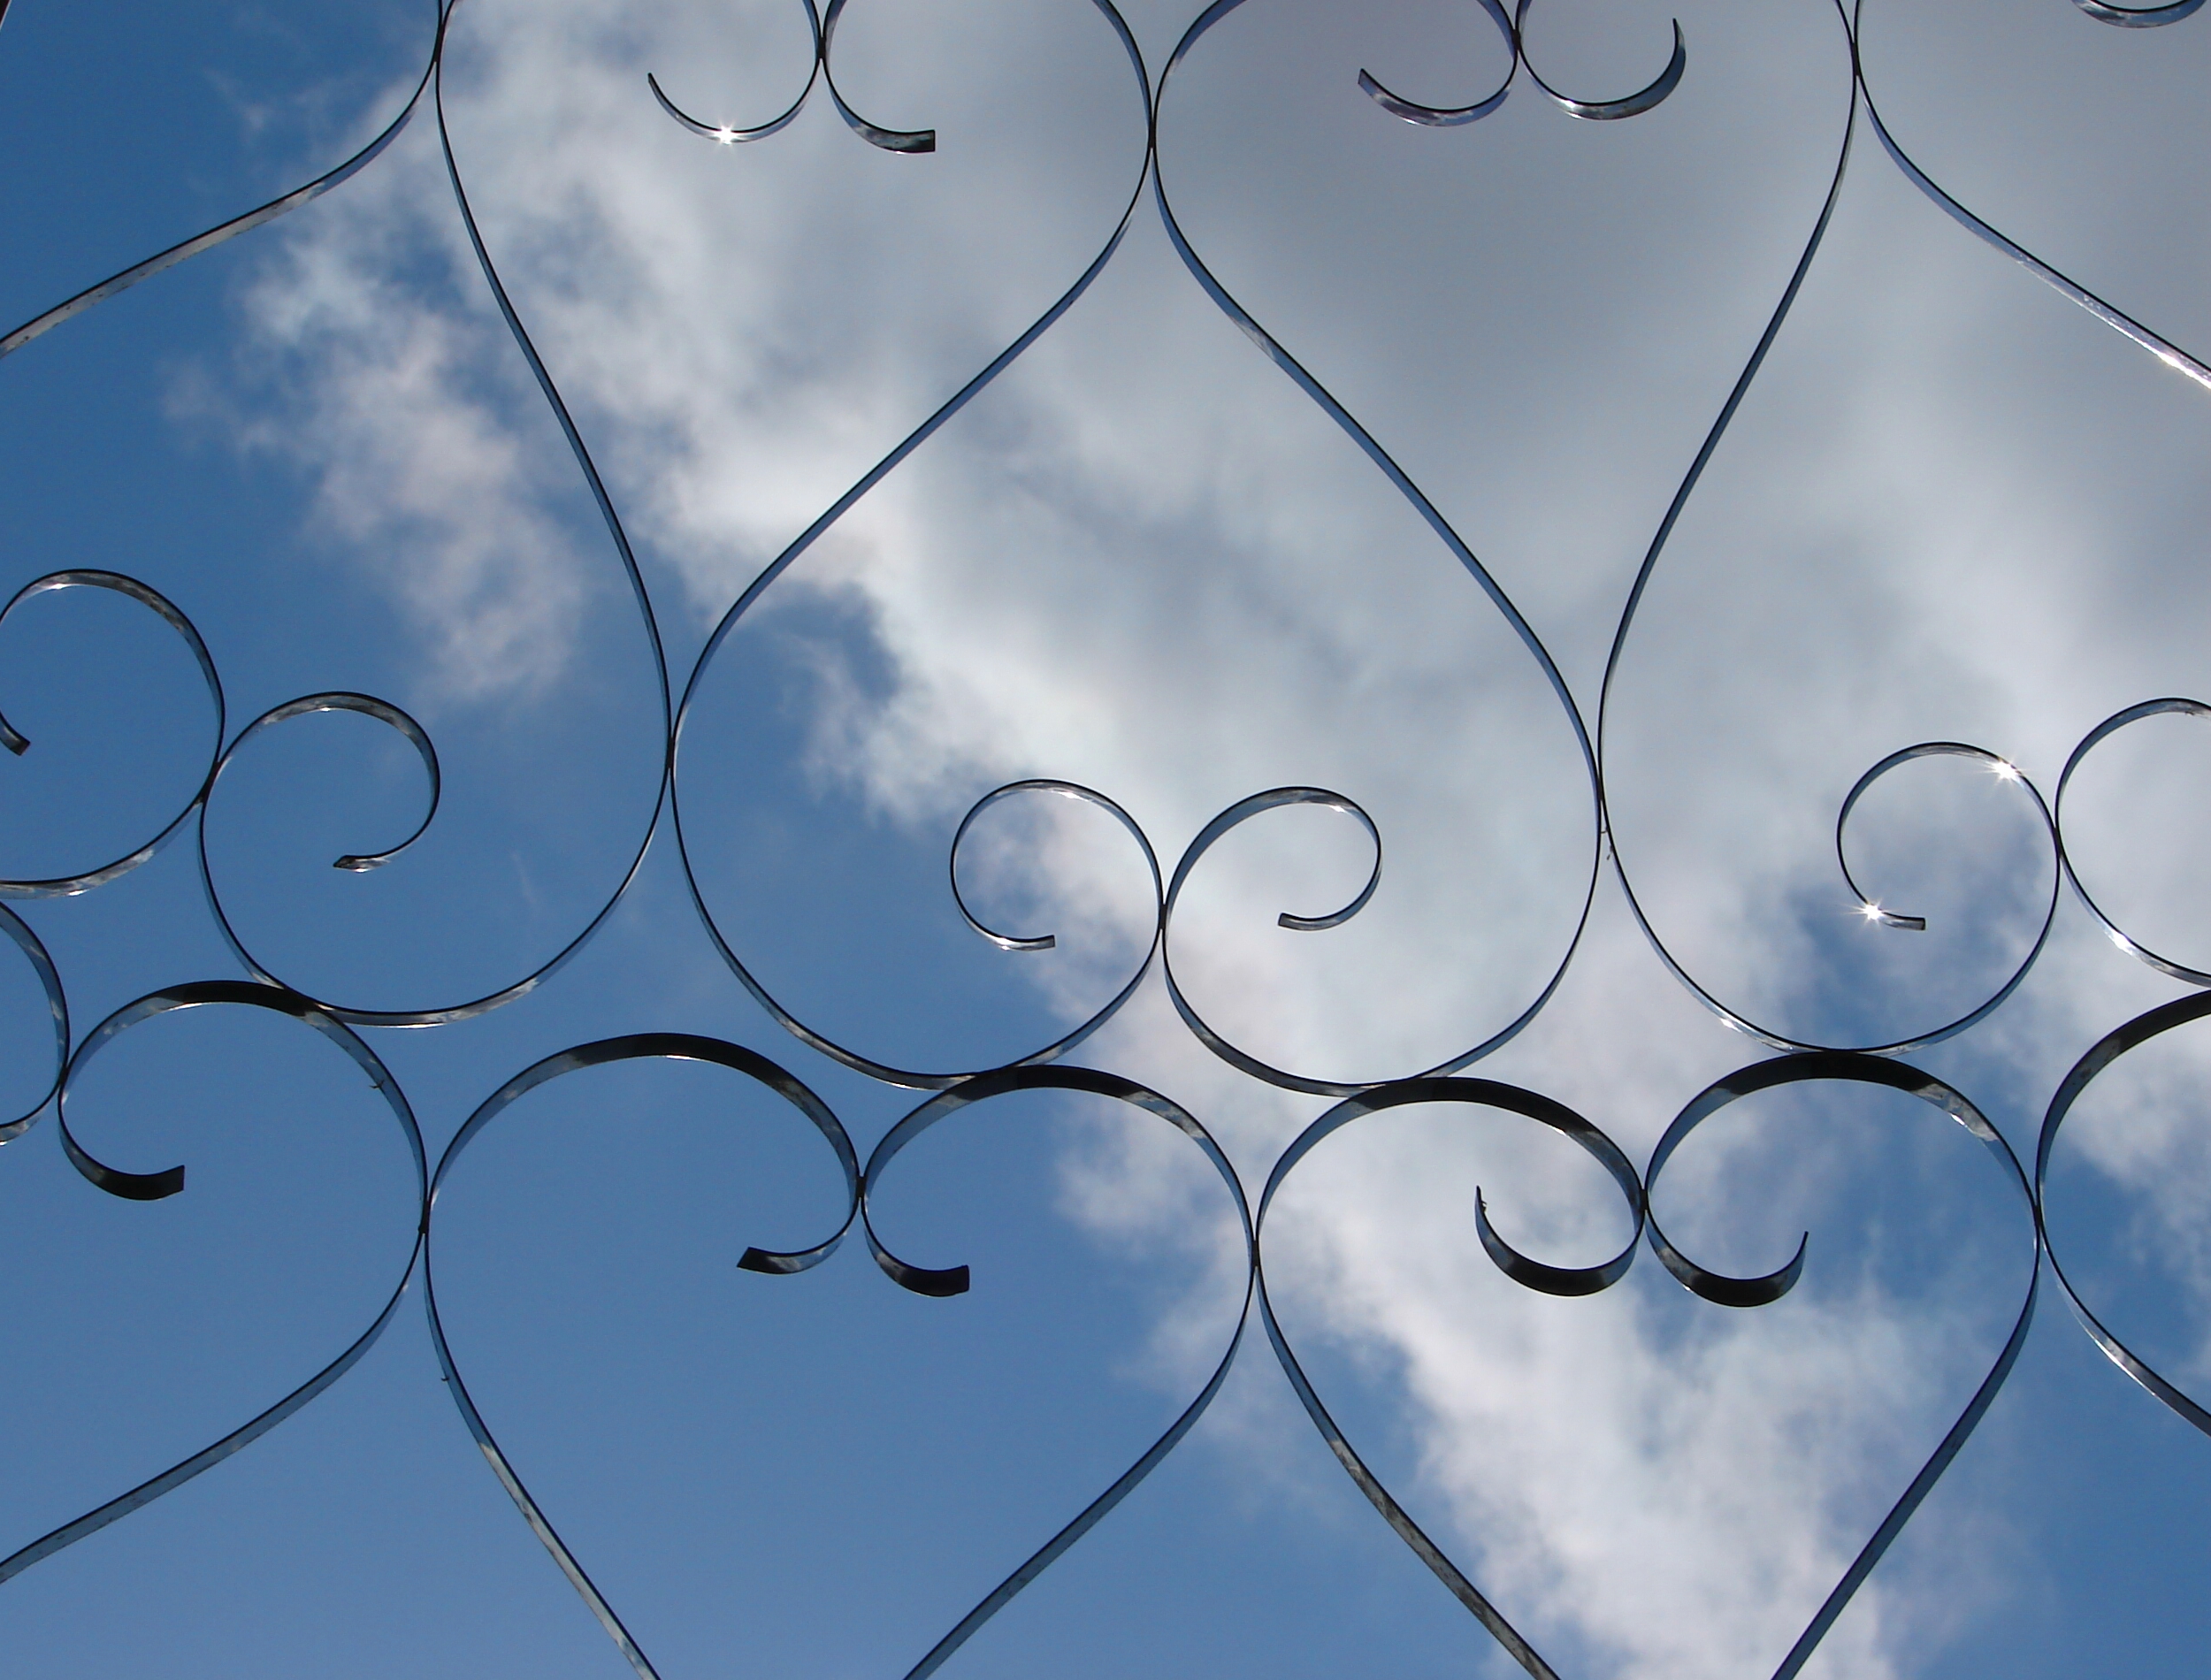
[1724,1291]
[382,712]
[1065,790]
[774,1264]
[1568,1281]
[891,139]
[1881,918]
[15,742]
[1634,104]
[1243,810]
[131,1187]
[2139,17]
[924,1281]
[2002,767]
[1428,115]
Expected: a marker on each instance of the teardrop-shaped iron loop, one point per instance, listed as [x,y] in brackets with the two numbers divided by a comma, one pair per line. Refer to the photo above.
[601,1053]
[1433,518]
[1766,1034]
[913,1078]
[949,1281]
[443,1014]
[1853,1068]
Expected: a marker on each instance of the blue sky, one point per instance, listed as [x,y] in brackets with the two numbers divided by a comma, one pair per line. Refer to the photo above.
[1953,507]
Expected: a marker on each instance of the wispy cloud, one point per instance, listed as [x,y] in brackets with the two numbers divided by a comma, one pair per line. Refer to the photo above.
[1145,562]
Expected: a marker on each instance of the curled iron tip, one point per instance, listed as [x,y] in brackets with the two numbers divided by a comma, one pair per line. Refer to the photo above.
[723,133]
[1451,117]
[1605,111]
[1723,1290]
[169,613]
[1871,909]
[2139,17]
[1544,1278]
[368,706]
[1037,784]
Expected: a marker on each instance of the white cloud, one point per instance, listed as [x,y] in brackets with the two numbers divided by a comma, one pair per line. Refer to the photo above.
[1145,562]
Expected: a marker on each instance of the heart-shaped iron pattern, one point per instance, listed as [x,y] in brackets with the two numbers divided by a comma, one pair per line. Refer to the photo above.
[859,1184]
[153,1186]
[1720,1289]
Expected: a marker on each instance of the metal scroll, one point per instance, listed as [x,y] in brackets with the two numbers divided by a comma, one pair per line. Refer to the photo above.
[348,1026]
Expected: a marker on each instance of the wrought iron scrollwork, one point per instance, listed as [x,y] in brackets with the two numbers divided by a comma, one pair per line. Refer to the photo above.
[1043,1068]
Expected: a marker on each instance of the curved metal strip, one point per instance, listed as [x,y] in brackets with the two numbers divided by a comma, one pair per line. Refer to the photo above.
[2117,721]
[1273,799]
[43,324]
[723,133]
[2105,1051]
[1510,1099]
[1560,1280]
[891,139]
[603,1052]
[1065,790]
[913,1078]
[1853,1068]
[56,1003]
[1602,111]
[2140,17]
[954,1281]
[1441,116]
[1239,813]
[2170,354]
[145,595]
[1873,911]
[367,705]
[290,1005]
